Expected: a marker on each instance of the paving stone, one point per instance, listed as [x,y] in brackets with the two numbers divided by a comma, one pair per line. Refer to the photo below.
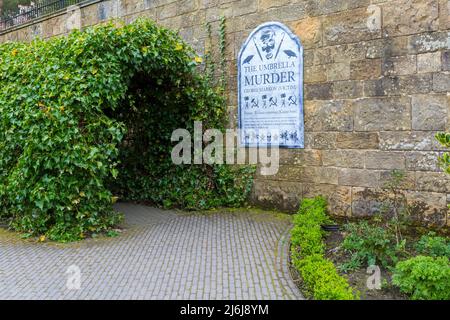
[160,255]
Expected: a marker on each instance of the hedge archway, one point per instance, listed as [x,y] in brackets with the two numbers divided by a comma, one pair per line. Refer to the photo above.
[89,116]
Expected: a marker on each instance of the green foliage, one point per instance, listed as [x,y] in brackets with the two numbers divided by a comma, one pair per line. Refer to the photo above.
[424,278]
[432,245]
[370,245]
[307,232]
[395,214]
[322,279]
[444,139]
[90,115]
[12,5]
[307,249]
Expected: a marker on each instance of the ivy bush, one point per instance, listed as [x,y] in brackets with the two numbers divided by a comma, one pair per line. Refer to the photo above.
[307,253]
[424,278]
[90,115]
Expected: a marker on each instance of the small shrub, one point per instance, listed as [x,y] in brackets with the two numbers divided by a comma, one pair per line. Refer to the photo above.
[432,245]
[322,279]
[307,233]
[318,273]
[424,278]
[370,245]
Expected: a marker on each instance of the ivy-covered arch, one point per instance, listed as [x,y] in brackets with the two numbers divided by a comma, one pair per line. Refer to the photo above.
[89,116]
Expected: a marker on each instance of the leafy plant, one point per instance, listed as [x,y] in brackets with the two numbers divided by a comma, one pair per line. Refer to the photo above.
[444,139]
[90,115]
[432,245]
[307,249]
[424,278]
[370,245]
[395,214]
[322,279]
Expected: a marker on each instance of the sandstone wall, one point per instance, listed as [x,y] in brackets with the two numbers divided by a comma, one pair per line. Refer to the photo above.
[377,77]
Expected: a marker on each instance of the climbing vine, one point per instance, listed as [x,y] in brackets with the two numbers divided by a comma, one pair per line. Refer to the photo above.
[88,117]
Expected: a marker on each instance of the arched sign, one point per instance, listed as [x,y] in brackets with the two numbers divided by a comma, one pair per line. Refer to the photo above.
[270,84]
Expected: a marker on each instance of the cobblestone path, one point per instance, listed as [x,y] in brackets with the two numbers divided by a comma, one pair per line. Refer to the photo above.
[160,255]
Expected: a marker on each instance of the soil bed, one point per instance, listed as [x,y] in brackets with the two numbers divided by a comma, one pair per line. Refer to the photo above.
[358,278]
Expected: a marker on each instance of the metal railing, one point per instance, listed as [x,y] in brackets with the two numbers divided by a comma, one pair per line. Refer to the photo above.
[31,12]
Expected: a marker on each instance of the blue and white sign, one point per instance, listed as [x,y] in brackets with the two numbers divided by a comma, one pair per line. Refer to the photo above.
[270,82]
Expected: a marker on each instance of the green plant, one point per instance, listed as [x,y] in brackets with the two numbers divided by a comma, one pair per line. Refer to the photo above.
[424,278]
[90,115]
[444,139]
[395,214]
[432,245]
[307,232]
[370,245]
[322,279]
[307,249]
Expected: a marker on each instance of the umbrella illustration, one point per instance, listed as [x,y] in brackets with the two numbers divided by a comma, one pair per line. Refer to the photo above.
[248,59]
[290,53]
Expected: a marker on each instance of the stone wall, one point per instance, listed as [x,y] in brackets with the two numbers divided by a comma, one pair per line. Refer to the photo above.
[377,77]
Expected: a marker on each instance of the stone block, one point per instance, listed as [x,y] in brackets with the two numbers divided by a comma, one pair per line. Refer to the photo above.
[289,14]
[428,42]
[410,17]
[267,4]
[428,207]
[358,177]
[357,140]
[285,173]
[407,84]
[244,7]
[396,46]
[373,114]
[328,115]
[384,160]
[349,89]
[433,181]
[343,158]
[367,202]
[373,88]
[441,82]
[445,60]
[316,73]
[308,59]
[320,140]
[365,69]
[338,71]
[429,62]
[348,27]
[407,183]
[301,157]
[319,91]
[168,11]
[409,140]
[326,175]
[275,194]
[422,161]
[400,65]
[309,31]
[429,112]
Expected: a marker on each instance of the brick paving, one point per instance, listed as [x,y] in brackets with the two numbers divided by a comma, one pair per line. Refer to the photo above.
[160,255]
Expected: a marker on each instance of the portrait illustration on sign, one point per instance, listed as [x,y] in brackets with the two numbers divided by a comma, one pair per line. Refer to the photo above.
[270,83]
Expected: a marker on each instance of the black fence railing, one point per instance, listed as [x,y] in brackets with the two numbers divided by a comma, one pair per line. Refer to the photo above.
[25,14]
